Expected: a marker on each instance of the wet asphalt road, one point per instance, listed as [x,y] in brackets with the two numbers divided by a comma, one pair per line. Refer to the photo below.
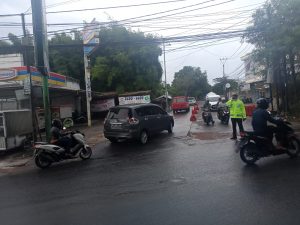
[172,180]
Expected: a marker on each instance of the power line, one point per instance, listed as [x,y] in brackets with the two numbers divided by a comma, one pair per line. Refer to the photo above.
[101,8]
[119,22]
[115,7]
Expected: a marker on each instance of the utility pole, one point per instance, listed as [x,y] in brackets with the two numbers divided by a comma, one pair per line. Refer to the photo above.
[223,61]
[88,92]
[26,63]
[89,37]
[41,55]
[165,70]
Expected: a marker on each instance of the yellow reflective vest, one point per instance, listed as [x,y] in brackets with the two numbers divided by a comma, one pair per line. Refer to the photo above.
[237,109]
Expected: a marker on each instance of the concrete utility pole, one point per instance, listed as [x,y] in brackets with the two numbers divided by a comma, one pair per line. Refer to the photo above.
[165,70]
[223,61]
[87,71]
[41,55]
[25,44]
[90,36]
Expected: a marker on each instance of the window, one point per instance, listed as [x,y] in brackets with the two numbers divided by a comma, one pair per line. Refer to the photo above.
[119,113]
[140,111]
[158,111]
[183,99]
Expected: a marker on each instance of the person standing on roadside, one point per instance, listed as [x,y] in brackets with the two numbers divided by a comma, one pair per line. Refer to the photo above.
[237,114]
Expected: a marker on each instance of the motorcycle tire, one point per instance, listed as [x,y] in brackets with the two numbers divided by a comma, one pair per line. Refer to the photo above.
[41,161]
[85,153]
[293,149]
[248,155]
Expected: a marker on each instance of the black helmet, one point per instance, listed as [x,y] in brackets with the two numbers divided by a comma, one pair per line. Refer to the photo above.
[57,123]
[262,103]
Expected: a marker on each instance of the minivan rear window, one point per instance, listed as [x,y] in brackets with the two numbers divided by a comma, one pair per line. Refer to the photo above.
[119,113]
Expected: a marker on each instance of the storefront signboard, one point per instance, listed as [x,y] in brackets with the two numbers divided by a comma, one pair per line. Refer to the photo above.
[134,99]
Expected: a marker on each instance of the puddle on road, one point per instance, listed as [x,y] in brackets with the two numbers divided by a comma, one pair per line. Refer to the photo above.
[210,135]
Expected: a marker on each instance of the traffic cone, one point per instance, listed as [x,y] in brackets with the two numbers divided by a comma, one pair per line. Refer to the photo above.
[193,117]
[195,110]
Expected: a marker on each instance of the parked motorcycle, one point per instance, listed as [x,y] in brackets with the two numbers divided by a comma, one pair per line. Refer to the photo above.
[224,115]
[45,154]
[207,117]
[254,147]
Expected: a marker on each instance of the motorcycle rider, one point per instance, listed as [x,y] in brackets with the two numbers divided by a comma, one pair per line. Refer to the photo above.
[58,137]
[221,106]
[207,106]
[260,118]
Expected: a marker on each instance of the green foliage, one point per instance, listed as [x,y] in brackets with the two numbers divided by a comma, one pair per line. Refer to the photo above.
[14,39]
[190,81]
[219,86]
[126,61]
[67,60]
[276,33]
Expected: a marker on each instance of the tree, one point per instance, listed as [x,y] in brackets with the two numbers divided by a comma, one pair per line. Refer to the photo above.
[15,40]
[190,81]
[67,60]
[126,61]
[275,33]
[219,86]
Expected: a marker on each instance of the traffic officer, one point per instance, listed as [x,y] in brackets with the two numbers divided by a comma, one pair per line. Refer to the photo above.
[237,114]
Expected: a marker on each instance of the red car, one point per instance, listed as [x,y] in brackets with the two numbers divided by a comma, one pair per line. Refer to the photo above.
[180,103]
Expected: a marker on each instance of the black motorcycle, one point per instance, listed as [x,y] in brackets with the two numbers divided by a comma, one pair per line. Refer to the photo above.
[254,147]
[224,115]
[207,116]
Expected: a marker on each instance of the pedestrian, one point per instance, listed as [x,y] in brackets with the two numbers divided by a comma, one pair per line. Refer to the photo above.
[237,114]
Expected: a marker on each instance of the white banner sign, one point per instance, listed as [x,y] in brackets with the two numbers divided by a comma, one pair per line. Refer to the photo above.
[102,105]
[134,99]
[7,74]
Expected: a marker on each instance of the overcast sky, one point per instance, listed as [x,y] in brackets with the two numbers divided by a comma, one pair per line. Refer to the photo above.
[185,17]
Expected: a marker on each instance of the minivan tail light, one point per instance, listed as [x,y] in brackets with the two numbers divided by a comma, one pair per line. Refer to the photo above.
[133,120]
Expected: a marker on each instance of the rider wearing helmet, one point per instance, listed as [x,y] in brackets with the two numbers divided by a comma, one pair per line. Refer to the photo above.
[221,106]
[207,106]
[58,137]
[260,118]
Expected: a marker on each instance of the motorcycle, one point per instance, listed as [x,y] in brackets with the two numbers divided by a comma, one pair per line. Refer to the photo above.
[207,117]
[45,154]
[254,147]
[224,115]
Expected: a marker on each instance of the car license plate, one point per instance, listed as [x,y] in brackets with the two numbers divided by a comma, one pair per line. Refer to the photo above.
[116,126]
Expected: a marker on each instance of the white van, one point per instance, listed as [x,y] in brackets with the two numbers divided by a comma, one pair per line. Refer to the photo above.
[213,99]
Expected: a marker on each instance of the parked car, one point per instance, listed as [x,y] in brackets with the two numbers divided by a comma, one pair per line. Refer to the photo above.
[136,122]
[192,100]
[180,103]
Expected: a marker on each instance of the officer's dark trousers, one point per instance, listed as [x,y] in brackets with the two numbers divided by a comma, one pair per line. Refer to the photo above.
[235,121]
